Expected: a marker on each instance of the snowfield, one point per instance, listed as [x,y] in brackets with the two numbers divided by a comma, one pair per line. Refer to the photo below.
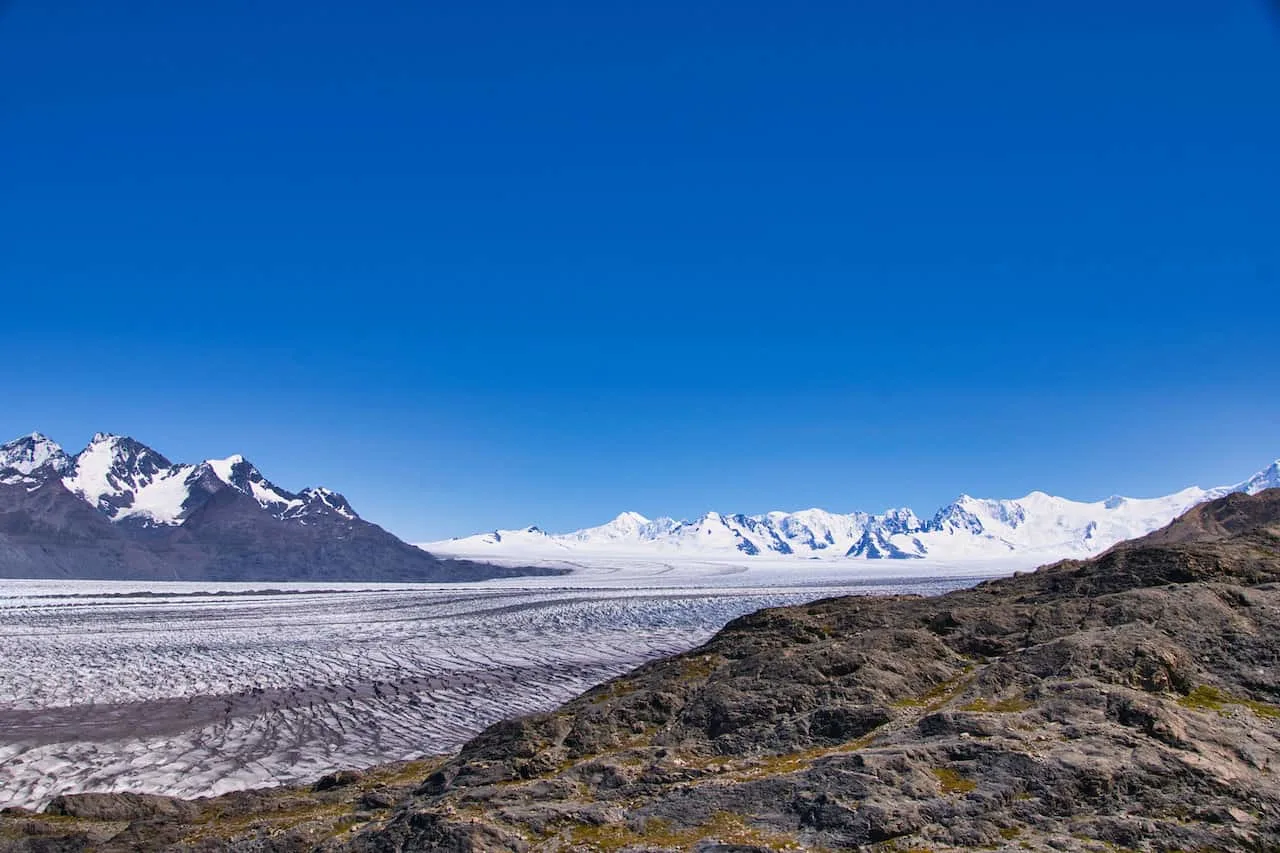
[201,688]
[1036,527]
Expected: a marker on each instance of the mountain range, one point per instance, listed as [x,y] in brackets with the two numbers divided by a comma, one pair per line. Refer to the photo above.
[1038,526]
[120,510]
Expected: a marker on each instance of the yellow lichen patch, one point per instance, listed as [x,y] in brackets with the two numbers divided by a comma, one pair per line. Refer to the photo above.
[1262,709]
[636,740]
[952,782]
[1008,705]
[401,773]
[732,828]
[726,827]
[699,667]
[1206,698]
[613,690]
[332,817]
[940,694]
[794,762]
[330,814]
[790,762]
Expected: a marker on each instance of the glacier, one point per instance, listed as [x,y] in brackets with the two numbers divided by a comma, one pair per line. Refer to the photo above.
[199,688]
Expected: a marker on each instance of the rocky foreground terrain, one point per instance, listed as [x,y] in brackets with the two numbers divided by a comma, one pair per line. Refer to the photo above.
[1125,702]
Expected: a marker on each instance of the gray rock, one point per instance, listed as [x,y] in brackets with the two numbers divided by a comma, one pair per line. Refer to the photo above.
[122,807]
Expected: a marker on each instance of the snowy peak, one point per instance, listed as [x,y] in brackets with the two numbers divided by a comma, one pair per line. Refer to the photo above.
[1037,526]
[628,526]
[241,475]
[321,501]
[133,484]
[128,481]
[528,539]
[982,516]
[879,545]
[901,520]
[1267,478]
[29,453]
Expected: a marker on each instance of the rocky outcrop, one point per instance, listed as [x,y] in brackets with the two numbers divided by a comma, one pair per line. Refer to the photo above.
[283,820]
[1131,701]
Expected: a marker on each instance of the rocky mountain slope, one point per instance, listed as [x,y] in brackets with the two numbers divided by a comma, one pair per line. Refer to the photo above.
[1038,527]
[1130,701]
[120,510]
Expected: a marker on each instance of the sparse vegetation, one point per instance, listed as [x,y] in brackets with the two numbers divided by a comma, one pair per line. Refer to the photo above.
[1008,705]
[1207,698]
[940,694]
[613,690]
[726,827]
[793,762]
[700,667]
[952,782]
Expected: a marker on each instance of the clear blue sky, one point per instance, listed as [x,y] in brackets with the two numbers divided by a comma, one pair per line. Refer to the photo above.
[496,263]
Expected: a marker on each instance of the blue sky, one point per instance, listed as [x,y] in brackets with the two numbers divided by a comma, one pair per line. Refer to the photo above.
[499,263]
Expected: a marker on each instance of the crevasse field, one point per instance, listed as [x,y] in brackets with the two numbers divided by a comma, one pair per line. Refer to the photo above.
[195,689]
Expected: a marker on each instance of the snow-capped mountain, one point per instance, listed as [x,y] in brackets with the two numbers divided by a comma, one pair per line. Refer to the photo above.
[27,454]
[1267,478]
[1037,525]
[120,510]
[131,483]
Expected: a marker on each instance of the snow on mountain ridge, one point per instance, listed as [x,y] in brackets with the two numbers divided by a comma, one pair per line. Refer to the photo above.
[133,484]
[128,481]
[242,475]
[317,499]
[1267,478]
[31,452]
[1038,523]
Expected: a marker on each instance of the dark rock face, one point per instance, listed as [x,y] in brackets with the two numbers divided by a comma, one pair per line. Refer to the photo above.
[127,807]
[337,779]
[47,531]
[1127,702]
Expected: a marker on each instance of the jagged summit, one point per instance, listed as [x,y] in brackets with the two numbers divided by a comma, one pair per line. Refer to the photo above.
[319,500]
[130,482]
[120,509]
[30,452]
[1037,526]
[1267,478]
